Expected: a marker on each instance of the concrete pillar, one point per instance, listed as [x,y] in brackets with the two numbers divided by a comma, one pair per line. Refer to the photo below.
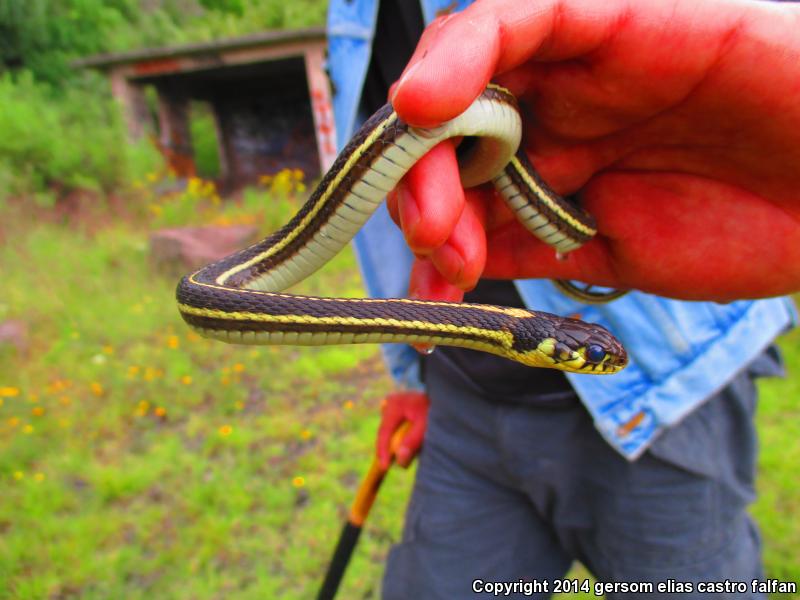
[319,90]
[175,139]
[134,106]
[222,144]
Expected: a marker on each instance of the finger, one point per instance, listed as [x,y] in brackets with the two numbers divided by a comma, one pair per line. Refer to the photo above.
[392,200]
[390,421]
[412,441]
[476,60]
[694,238]
[461,259]
[445,75]
[514,253]
[425,40]
[430,199]
[426,283]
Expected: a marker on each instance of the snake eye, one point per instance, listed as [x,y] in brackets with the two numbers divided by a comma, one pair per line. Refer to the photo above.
[594,353]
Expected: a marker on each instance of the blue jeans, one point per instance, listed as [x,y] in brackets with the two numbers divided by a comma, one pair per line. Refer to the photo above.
[507,492]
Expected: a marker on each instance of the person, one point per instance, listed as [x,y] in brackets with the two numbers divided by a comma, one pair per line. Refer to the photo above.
[674,123]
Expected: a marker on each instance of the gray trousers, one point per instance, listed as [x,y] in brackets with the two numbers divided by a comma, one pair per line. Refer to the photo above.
[509,492]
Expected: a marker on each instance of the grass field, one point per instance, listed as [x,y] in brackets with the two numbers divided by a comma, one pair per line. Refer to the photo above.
[140,461]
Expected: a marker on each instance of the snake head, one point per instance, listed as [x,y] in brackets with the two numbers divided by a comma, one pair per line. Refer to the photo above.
[569,345]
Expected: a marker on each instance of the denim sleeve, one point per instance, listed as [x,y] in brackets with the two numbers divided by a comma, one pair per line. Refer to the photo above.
[382,254]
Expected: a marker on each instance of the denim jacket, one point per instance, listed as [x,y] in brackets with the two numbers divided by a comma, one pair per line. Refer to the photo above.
[680,352]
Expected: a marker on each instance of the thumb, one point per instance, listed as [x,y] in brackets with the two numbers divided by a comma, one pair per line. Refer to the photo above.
[412,441]
[389,423]
[471,44]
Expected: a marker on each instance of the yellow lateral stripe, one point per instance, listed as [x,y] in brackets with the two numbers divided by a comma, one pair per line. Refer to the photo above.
[545,197]
[499,88]
[504,337]
[334,184]
[503,310]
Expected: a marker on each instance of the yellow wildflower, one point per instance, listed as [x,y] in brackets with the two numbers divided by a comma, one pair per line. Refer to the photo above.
[37,411]
[151,373]
[133,371]
[28,429]
[108,349]
[18,475]
[59,385]
[97,388]
[194,185]
[299,481]
[142,408]
[160,411]
[186,380]
[173,342]
[13,421]
[8,392]
[348,405]
[225,430]
[305,434]
[238,368]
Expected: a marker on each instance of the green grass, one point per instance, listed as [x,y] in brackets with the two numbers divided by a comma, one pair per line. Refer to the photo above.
[778,505]
[140,461]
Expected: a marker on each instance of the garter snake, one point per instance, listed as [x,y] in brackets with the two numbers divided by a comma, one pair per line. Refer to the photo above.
[239,299]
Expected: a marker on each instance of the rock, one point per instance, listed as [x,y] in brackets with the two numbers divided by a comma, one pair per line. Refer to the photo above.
[175,251]
[14,333]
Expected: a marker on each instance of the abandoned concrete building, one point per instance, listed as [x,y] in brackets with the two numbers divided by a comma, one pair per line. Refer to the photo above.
[268,95]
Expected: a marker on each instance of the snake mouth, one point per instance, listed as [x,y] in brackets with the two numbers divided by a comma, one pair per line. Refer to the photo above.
[586,359]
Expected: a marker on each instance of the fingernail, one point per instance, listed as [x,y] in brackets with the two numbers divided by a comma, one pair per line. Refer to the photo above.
[403,80]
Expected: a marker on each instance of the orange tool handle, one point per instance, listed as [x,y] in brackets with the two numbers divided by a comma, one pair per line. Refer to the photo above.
[372,481]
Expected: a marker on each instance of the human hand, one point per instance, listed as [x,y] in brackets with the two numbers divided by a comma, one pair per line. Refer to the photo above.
[674,121]
[399,407]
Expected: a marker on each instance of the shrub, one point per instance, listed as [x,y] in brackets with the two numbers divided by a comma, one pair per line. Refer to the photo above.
[75,139]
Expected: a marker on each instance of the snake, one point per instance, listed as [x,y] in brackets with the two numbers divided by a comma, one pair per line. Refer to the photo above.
[242,299]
